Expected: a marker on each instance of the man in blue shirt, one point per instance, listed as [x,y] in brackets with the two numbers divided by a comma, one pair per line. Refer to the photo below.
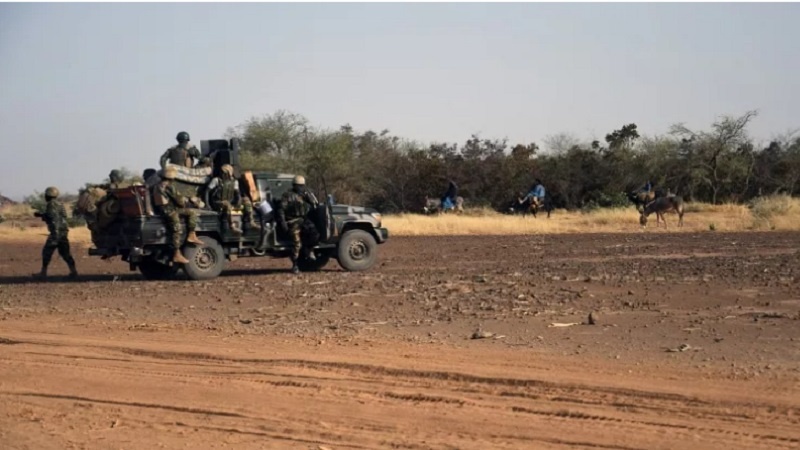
[537,193]
[449,197]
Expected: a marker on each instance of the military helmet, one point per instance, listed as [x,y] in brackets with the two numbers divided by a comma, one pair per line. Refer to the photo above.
[170,173]
[227,169]
[115,176]
[51,192]
[299,180]
[182,137]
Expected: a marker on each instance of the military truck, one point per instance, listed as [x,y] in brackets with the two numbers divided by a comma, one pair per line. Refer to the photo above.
[349,234]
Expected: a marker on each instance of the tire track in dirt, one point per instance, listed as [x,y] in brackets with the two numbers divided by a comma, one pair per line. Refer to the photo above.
[731,296]
[369,382]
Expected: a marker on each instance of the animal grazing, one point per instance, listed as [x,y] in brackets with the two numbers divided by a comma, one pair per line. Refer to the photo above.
[661,205]
[640,199]
[434,205]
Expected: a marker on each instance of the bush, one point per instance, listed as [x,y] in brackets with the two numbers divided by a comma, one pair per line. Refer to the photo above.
[765,208]
[36,201]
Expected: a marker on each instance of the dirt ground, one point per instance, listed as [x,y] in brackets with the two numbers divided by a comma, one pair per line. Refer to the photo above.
[696,344]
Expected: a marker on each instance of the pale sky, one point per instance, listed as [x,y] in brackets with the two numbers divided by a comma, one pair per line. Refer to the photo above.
[85,88]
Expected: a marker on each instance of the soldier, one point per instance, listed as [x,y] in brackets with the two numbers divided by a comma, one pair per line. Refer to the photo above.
[294,207]
[56,218]
[223,195]
[184,154]
[172,205]
[115,181]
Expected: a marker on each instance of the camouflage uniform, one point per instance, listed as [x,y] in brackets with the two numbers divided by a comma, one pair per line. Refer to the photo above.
[294,207]
[171,204]
[56,218]
[224,195]
[180,155]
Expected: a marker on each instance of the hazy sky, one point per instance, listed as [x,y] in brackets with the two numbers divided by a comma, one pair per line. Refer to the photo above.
[85,88]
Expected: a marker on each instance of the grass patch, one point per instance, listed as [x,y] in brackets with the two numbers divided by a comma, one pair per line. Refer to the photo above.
[768,213]
[16,213]
[38,233]
[777,212]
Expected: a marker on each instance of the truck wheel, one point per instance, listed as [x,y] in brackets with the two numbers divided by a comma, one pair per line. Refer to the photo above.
[357,250]
[205,261]
[154,270]
[306,265]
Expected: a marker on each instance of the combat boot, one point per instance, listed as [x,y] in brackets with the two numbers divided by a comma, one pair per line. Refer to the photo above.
[193,239]
[41,275]
[309,254]
[178,258]
[295,269]
[73,272]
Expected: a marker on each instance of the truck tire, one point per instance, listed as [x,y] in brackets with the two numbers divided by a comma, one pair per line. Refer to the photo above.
[357,250]
[154,270]
[205,261]
[323,257]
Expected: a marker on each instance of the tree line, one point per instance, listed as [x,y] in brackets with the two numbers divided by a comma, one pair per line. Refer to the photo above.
[394,174]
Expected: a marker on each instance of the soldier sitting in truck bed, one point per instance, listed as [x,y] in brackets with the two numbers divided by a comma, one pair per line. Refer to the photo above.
[172,206]
[222,195]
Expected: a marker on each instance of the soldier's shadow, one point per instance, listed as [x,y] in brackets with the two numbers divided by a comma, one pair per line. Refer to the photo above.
[136,277]
[22,279]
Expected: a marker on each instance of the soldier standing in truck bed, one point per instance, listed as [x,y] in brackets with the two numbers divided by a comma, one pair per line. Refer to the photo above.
[184,154]
[294,207]
[172,206]
[56,218]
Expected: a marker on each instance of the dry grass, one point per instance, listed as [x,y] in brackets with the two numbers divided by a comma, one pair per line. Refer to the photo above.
[770,213]
[38,233]
[778,212]
[17,212]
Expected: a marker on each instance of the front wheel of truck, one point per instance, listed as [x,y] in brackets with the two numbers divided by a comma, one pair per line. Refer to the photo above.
[357,250]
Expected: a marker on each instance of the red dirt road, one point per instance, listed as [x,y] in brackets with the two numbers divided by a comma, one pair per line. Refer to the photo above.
[696,345]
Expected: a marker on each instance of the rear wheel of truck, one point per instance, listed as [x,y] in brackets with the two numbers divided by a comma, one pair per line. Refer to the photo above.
[357,250]
[205,261]
[306,265]
[154,270]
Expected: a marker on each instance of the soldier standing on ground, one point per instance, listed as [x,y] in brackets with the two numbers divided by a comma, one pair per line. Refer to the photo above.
[172,206]
[184,154]
[294,207]
[56,218]
[223,195]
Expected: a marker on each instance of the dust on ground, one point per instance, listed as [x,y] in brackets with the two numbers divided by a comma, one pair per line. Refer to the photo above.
[450,342]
